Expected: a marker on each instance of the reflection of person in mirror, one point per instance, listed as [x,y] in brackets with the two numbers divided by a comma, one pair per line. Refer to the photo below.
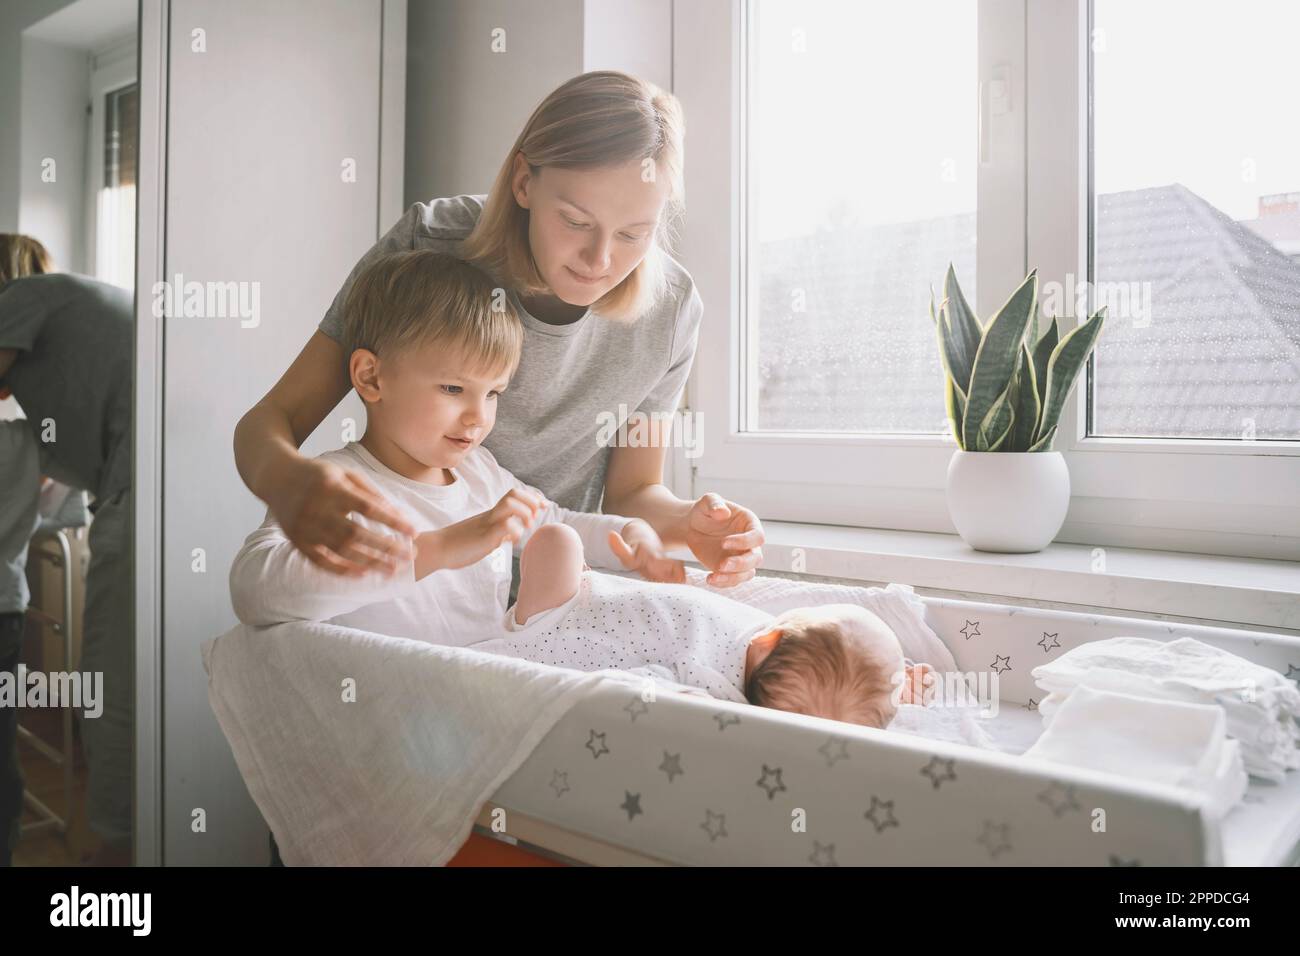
[66,357]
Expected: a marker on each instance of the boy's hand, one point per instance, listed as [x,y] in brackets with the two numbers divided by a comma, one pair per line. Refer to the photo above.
[461,544]
[640,549]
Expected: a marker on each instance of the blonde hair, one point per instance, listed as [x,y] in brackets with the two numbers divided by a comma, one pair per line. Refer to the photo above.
[410,299]
[815,668]
[22,256]
[603,118]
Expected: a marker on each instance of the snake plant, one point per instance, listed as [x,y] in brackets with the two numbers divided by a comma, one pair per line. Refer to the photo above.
[1005,382]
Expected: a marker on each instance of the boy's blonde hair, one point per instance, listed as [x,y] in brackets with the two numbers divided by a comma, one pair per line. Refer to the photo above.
[411,299]
[816,668]
[21,256]
[603,118]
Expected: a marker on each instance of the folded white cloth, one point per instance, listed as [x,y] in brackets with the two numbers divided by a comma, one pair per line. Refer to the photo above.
[361,749]
[961,724]
[897,605]
[1260,705]
[1166,741]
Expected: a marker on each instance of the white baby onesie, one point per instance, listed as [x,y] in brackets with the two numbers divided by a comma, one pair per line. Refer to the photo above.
[629,624]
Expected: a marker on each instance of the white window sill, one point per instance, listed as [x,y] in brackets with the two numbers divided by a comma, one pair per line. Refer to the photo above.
[1251,592]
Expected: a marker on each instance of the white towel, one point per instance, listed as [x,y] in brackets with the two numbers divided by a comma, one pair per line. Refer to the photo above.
[1261,705]
[1166,741]
[397,776]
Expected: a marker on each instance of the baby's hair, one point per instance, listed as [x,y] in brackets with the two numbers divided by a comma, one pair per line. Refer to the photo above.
[817,669]
[409,299]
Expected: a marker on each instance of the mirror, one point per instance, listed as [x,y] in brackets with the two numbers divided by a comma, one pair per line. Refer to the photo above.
[67,277]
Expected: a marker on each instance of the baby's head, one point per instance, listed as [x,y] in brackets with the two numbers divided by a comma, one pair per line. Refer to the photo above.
[431,341]
[837,661]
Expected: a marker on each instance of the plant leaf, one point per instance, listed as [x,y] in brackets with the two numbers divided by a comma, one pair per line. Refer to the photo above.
[1044,443]
[1027,403]
[1042,352]
[1064,365]
[962,330]
[956,405]
[999,351]
[997,423]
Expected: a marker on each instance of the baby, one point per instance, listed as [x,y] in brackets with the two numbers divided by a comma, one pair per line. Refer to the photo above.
[838,661]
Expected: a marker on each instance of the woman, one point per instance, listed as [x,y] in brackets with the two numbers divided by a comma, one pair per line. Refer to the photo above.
[573,230]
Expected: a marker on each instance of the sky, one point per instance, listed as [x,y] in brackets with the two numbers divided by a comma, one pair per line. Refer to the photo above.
[873,105]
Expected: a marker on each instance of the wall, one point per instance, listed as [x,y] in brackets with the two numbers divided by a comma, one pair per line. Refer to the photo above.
[465,104]
[15,17]
[55,97]
[259,127]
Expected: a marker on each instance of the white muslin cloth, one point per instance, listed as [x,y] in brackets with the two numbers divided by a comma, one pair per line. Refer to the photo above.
[1260,705]
[962,725]
[362,749]
[1166,741]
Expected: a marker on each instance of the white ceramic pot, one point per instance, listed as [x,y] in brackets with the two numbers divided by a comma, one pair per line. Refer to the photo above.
[1013,502]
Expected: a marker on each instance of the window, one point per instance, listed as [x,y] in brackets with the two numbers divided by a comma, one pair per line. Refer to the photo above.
[861,174]
[114,132]
[115,234]
[822,208]
[1196,220]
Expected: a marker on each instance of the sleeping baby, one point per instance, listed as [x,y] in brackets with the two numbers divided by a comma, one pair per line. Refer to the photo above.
[838,661]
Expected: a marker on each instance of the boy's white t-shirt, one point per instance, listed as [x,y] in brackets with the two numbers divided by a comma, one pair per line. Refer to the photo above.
[271,581]
[679,632]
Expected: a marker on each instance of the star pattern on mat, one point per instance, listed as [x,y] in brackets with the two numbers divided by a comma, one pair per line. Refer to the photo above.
[772,788]
[995,837]
[938,770]
[672,765]
[1047,648]
[715,824]
[596,744]
[972,629]
[834,749]
[1060,797]
[560,783]
[636,707]
[632,804]
[822,855]
[726,720]
[881,814]
[1032,705]
[1005,667]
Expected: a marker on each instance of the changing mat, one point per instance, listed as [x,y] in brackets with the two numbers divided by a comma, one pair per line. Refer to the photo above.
[362,749]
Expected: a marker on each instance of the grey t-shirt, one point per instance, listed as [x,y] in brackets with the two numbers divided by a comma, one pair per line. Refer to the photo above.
[73,378]
[549,420]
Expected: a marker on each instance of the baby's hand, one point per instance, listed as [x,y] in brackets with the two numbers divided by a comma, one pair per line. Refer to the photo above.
[640,549]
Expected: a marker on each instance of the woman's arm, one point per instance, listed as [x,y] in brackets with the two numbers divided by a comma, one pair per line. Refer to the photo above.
[310,498]
[726,538]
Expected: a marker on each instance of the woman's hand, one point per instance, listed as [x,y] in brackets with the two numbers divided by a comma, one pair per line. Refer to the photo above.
[640,549]
[726,538]
[461,544]
[313,507]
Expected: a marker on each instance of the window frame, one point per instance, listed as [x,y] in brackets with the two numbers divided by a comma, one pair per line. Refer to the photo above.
[1240,498]
[112,68]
